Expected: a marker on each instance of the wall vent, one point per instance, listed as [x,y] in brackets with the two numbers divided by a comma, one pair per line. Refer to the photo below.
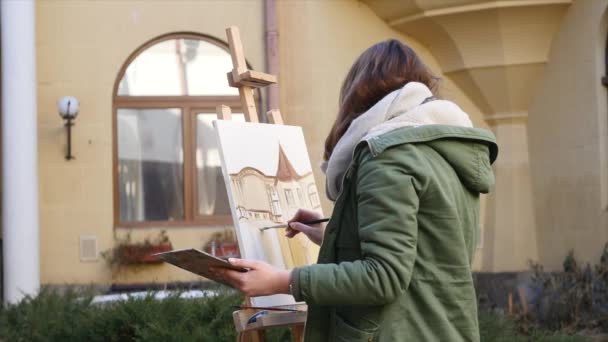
[88,248]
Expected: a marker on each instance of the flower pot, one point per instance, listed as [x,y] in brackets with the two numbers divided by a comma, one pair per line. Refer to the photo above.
[142,254]
[223,249]
[230,249]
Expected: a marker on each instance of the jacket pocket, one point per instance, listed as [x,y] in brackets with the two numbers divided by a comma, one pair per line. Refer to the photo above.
[344,332]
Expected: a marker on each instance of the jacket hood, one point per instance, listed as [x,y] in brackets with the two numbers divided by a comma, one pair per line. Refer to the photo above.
[469,151]
[471,161]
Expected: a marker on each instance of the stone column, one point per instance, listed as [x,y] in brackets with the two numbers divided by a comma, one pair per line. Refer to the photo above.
[19,150]
[510,234]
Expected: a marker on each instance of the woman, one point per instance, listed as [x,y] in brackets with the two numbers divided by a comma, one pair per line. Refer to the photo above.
[405,171]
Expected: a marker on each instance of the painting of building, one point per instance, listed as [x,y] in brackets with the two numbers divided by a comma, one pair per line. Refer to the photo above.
[276,198]
[269,177]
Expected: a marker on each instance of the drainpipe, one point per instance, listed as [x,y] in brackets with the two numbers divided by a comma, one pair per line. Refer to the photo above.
[272,52]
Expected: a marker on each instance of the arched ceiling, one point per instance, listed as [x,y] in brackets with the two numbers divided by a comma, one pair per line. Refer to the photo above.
[494,50]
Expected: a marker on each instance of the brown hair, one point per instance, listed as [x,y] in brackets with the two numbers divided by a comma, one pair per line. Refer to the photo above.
[381,69]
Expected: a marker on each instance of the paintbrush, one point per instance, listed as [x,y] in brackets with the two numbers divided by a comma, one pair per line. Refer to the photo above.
[303,222]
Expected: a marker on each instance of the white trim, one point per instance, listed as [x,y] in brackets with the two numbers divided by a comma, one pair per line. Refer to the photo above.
[474,8]
[508,117]
[21,254]
[495,66]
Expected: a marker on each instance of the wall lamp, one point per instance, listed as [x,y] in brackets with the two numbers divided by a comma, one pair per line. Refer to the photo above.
[68,107]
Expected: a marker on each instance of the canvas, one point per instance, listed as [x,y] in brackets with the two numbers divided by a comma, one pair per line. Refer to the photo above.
[269,177]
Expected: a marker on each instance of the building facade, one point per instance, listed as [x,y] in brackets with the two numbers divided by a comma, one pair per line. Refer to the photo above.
[148,75]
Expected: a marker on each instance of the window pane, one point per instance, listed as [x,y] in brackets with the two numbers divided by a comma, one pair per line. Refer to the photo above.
[212,196]
[313,196]
[150,164]
[178,67]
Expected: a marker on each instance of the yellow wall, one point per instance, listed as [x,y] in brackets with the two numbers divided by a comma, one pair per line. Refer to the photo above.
[318,42]
[81,45]
[568,135]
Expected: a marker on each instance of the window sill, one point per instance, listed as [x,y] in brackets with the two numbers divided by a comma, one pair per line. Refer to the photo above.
[202,223]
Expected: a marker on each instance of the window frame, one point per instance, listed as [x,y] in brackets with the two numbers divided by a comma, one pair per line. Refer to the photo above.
[190,107]
[313,196]
[289,197]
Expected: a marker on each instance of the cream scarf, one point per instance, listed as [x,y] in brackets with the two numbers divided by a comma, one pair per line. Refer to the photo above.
[402,107]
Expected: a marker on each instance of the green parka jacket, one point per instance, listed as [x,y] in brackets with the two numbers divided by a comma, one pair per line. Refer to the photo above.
[395,263]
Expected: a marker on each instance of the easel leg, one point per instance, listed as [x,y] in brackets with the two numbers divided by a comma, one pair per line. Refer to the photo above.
[297,333]
[259,336]
[251,336]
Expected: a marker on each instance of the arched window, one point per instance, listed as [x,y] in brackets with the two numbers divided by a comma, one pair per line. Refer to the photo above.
[166,164]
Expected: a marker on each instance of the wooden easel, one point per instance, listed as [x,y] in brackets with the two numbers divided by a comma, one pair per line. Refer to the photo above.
[246,81]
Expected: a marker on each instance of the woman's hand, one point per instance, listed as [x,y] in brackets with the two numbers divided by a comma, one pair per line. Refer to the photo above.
[313,232]
[262,279]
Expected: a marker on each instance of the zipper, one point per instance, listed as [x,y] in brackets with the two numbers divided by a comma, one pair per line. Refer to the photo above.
[349,169]
[346,175]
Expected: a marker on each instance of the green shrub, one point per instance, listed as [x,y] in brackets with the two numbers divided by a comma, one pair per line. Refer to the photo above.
[43,318]
[70,317]
[497,327]
[573,300]
[51,316]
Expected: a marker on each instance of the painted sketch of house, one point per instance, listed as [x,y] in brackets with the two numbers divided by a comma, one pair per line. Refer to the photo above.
[275,198]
